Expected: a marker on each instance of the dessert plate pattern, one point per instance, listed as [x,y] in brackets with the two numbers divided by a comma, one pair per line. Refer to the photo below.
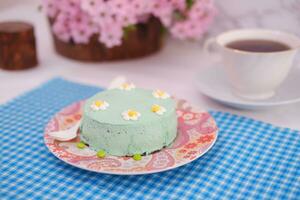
[197,132]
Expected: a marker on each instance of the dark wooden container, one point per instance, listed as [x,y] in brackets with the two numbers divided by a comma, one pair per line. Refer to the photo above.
[144,40]
[17,46]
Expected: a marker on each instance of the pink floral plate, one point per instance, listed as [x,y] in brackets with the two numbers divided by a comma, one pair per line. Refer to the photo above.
[197,133]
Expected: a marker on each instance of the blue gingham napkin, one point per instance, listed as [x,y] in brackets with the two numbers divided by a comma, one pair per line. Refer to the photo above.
[250,160]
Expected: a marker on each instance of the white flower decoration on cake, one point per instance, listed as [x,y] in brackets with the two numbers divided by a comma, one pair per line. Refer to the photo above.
[159,94]
[99,105]
[158,109]
[127,86]
[131,115]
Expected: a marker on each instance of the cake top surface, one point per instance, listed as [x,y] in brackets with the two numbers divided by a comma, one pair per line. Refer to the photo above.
[128,105]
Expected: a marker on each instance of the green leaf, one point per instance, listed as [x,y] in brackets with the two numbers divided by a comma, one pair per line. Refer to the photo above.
[163,30]
[128,29]
[178,15]
[189,3]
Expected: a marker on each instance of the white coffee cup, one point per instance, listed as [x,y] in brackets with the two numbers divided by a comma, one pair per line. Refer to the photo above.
[254,75]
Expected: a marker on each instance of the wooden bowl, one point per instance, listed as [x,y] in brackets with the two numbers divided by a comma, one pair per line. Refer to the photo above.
[146,39]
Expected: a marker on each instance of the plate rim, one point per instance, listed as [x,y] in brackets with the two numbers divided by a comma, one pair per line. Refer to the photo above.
[137,173]
[126,173]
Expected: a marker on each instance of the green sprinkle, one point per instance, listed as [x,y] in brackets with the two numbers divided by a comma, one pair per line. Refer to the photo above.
[137,157]
[101,154]
[80,145]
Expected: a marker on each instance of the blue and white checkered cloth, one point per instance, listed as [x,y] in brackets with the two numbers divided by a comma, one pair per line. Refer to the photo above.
[250,160]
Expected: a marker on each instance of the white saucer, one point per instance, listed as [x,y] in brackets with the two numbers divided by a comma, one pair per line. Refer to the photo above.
[211,81]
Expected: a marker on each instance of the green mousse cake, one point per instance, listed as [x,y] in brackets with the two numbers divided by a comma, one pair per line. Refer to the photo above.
[127,121]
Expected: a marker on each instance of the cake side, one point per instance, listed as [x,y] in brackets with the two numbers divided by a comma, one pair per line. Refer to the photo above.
[120,140]
[108,130]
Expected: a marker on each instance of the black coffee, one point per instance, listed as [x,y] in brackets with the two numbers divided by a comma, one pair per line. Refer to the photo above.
[258,45]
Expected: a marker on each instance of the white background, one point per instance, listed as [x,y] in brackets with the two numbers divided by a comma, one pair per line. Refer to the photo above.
[173,69]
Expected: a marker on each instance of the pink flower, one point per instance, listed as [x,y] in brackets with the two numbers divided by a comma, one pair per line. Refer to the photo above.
[179,4]
[122,11]
[81,35]
[198,18]
[90,6]
[103,16]
[51,7]
[81,29]
[188,29]
[70,7]
[61,28]
[195,31]
[143,18]
[126,19]
[165,16]
[118,6]
[111,35]
[179,30]
[200,10]
[80,19]
[139,7]
[163,10]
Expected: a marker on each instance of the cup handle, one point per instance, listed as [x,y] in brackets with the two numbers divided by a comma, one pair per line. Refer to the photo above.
[211,49]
